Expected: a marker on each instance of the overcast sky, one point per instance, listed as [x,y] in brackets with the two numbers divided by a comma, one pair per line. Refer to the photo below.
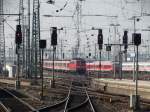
[124,9]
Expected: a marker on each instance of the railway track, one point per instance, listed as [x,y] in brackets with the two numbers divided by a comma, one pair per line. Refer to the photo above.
[76,100]
[81,102]
[11,101]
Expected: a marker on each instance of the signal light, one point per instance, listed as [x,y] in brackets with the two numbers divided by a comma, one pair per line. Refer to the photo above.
[90,54]
[136,39]
[125,37]
[54,36]
[42,44]
[18,39]
[100,37]
[108,48]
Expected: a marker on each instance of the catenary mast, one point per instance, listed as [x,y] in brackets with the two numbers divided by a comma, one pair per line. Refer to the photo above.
[35,51]
[2,38]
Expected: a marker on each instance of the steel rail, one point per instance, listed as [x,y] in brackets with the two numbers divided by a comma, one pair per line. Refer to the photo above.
[93,110]
[68,98]
[78,106]
[87,100]
[14,96]
[44,109]
[48,108]
[4,107]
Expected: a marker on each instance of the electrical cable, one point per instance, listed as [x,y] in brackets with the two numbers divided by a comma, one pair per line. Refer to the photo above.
[61,9]
[56,6]
[9,25]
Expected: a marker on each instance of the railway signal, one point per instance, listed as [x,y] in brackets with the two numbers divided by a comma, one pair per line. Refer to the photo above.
[125,43]
[18,41]
[108,48]
[125,39]
[90,54]
[100,44]
[18,38]
[42,46]
[136,38]
[100,38]
[54,43]
[54,36]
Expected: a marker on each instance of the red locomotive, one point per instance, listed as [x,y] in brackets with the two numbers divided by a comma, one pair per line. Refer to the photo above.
[75,65]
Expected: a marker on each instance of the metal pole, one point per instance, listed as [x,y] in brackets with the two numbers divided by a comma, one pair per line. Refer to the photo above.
[28,57]
[108,51]
[53,81]
[148,51]
[100,64]
[115,51]
[89,68]
[95,51]
[120,63]
[18,67]
[61,50]
[136,79]
[42,76]
[114,67]
[4,55]
[134,53]
[108,55]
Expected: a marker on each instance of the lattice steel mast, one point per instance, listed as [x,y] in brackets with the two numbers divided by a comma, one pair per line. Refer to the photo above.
[35,53]
[22,46]
[78,26]
[28,48]
[2,38]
